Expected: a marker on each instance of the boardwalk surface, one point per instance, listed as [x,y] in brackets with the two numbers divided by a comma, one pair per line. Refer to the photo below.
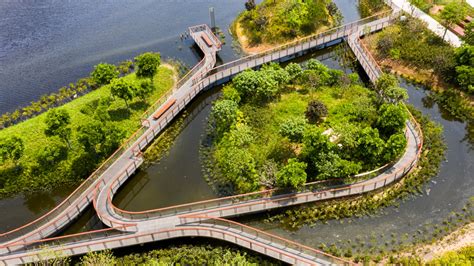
[136,228]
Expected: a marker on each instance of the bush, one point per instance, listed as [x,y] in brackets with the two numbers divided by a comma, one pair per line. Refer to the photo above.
[391,119]
[230,93]
[51,154]
[224,114]
[292,175]
[147,64]
[104,73]
[316,111]
[293,129]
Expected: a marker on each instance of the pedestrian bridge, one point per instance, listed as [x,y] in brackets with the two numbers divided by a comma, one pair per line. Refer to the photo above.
[204,218]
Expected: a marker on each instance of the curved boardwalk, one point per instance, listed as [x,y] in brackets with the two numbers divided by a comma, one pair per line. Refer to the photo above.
[199,218]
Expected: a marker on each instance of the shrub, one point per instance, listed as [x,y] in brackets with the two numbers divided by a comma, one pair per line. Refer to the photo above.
[104,73]
[316,111]
[292,174]
[147,64]
[293,129]
[391,119]
[224,115]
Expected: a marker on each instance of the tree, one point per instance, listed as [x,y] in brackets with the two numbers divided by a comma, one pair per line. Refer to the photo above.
[330,166]
[386,81]
[145,89]
[465,76]
[314,144]
[394,147]
[469,33]
[257,86]
[224,114]
[230,93]
[292,175]
[240,135]
[101,113]
[99,139]
[147,64]
[293,129]
[51,154]
[465,67]
[123,89]
[396,94]
[11,148]
[294,71]
[389,90]
[104,73]
[246,83]
[452,14]
[238,166]
[391,119]
[250,5]
[369,145]
[316,111]
[58,124]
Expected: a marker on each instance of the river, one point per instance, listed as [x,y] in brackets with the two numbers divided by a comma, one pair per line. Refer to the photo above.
[60,44]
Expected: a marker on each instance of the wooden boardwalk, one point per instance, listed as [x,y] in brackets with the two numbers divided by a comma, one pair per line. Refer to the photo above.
[130,228]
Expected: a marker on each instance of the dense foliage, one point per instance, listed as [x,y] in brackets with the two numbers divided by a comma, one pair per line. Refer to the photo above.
[104,73]
[147,64]
[288,126]
[277,21]
[416,53]
[428,166]
[67,143]
[180,255]
[463,256]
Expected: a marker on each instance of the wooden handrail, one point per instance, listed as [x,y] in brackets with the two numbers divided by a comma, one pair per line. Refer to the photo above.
[264,233]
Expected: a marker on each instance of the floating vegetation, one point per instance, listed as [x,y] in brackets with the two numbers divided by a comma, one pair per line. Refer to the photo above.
[161,145]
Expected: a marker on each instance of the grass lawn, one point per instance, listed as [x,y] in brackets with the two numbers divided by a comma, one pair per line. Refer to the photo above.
[31,131]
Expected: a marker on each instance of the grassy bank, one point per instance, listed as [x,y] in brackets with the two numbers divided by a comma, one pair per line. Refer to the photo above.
[30,173]
[275,22]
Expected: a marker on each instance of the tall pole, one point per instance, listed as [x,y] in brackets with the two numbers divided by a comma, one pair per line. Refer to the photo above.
[213,18]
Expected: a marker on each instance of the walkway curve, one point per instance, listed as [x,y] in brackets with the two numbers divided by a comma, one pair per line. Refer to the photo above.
[198,80]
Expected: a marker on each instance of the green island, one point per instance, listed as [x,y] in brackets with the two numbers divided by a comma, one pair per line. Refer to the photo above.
[284,127]
[67,143]
[271,22]
[413,52]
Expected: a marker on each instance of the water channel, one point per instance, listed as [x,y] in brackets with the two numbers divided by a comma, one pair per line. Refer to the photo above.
[177,178]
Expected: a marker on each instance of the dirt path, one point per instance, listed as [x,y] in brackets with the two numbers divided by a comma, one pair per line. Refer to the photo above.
[175,72]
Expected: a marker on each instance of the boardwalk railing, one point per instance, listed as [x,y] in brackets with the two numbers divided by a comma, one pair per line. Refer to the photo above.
[274,198]
[310,41]
[81,197]
[281,243]
[72,248]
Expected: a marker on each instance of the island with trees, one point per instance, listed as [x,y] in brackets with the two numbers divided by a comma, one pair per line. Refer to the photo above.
[284,127]
[66,142]
[271,22]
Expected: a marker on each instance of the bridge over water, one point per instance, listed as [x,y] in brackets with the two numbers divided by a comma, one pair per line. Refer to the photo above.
[205,218]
